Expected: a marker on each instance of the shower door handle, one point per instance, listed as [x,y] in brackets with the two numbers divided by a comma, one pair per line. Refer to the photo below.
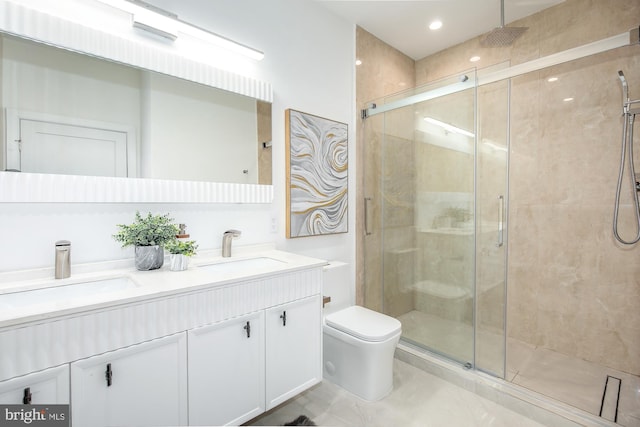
[366,216]
[500,241]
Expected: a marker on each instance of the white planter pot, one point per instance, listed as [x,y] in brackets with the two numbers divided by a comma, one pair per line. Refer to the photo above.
[178,262]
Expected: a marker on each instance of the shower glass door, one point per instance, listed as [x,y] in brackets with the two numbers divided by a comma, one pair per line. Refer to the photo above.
[491,226]
[421,208]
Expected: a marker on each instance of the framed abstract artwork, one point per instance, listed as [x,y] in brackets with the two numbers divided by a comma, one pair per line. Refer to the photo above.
[317,175]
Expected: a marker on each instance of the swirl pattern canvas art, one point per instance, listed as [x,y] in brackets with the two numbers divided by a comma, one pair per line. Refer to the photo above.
[317,175]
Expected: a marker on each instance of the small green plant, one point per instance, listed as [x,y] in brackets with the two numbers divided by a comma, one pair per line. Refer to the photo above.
[147,231]
[458,214]
[186,247]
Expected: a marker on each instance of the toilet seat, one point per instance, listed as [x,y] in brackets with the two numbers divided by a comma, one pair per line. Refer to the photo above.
[365,324]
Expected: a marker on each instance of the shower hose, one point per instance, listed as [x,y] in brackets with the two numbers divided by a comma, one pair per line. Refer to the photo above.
[627,157]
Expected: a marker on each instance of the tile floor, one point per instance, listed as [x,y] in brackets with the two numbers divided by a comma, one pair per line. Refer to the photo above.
[573,381]
[418,399]
[569,380]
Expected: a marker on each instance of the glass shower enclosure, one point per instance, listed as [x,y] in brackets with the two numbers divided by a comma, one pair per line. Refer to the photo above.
[435,172]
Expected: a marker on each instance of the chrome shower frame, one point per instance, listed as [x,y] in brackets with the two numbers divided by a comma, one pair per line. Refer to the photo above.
[626,159]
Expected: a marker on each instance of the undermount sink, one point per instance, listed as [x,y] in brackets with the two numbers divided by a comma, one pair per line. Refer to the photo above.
[65,292]
[246,265]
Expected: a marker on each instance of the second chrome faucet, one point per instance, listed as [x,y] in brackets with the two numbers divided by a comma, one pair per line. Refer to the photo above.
[63,259]
[227,237]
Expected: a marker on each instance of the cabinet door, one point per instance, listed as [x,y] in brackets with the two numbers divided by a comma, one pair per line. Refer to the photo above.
[141,385]
[294,348]
[226,371]
[50,386]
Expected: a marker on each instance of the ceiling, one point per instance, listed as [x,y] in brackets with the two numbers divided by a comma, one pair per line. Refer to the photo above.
[405,24]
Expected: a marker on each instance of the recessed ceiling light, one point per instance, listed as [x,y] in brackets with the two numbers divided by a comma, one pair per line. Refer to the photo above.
[552,79]
[435,25]
[358,62]
[568,99]
[474,59]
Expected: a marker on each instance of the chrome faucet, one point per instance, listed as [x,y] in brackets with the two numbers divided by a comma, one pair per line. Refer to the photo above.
[63,259]
[226,241]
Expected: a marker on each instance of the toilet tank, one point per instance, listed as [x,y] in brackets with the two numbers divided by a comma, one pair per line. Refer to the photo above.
[338,284]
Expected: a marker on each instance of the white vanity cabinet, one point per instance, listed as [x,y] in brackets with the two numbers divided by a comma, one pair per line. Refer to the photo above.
[194,351]
[50,386]
[234,377]
[141,385]
[226,371]
[294,351]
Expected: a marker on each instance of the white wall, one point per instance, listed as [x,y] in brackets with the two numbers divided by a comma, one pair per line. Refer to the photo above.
[309,56]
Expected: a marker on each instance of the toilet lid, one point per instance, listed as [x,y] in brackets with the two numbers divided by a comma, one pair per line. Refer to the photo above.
[368,325]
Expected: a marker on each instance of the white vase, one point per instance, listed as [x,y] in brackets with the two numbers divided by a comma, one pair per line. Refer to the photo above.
[178,262]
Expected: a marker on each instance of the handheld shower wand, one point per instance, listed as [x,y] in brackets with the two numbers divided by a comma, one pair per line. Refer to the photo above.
[625,92]
[625,87]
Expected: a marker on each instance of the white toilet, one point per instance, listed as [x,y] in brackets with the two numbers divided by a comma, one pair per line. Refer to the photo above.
[358,343]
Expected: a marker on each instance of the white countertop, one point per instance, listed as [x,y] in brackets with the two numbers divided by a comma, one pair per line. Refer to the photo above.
[150,284]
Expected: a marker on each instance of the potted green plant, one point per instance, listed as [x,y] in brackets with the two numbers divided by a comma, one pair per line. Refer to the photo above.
[148,235]
[181,252]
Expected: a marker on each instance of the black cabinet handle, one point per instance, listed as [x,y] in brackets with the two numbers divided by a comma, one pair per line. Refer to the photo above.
[283,316]
[26,397]
[109,375]
[247,328]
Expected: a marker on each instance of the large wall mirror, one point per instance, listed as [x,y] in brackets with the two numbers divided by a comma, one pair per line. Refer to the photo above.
[98,116]
[73,114]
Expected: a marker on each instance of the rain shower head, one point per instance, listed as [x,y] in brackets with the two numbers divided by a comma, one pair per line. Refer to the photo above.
[502,36]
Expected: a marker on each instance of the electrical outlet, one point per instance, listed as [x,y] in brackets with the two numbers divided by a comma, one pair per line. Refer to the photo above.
[274,224]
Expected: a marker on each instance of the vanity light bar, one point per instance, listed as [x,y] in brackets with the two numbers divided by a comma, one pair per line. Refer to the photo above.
[156,24]
[166,24]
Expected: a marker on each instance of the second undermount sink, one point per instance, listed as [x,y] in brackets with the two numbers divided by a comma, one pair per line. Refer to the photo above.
[246,265]
[65,292]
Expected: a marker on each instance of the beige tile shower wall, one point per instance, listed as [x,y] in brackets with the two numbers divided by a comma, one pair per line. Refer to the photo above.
[383,71]
[264,135]
[397,197]
[571,288]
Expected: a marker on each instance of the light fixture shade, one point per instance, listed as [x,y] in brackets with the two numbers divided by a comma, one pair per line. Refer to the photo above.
[155,23]
[166,24]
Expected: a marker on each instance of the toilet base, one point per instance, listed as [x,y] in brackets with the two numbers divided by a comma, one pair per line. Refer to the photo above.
[362,368]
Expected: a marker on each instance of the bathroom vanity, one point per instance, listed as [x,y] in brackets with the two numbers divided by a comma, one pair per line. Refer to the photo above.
[217,344]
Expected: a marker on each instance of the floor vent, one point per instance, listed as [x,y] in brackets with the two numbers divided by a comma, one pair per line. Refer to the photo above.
[611,399]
